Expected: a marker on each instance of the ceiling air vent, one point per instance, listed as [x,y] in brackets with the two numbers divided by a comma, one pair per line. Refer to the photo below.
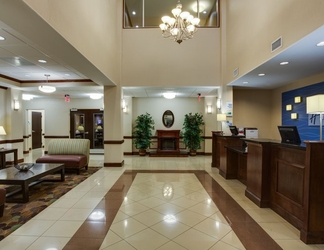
[235,72]
[276,44]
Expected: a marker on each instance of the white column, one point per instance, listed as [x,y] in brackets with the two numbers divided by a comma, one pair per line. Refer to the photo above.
[113,127]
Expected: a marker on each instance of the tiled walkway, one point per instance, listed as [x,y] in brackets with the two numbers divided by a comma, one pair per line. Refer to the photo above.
[155,203]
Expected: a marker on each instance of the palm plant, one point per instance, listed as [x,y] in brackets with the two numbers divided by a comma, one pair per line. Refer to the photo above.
[192,131]
[144,124]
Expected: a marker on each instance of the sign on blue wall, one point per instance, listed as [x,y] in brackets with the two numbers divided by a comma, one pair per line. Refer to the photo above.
[308,125]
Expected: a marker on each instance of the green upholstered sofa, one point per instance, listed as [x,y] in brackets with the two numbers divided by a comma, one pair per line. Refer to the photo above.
[74,153]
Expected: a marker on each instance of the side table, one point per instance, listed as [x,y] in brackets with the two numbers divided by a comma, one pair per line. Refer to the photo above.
[3,153]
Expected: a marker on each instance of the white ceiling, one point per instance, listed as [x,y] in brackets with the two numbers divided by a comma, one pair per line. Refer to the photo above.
[75,76]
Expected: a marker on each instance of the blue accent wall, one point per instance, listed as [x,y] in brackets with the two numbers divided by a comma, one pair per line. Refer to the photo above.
[308,125]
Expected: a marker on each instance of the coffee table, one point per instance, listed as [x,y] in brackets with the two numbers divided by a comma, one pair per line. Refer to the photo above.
[26,179]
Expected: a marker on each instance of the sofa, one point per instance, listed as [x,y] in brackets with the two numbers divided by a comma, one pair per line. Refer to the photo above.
[2,200]
[74,153]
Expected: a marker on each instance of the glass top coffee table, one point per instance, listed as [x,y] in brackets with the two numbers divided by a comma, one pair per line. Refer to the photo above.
[25,179]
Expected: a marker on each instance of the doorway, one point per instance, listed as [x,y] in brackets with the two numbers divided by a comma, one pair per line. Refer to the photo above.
[88,124]
[36,130]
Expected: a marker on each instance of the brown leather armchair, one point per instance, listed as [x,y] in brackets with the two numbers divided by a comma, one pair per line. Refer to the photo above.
[2,200]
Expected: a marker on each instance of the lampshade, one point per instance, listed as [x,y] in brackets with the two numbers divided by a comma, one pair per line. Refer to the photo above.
[2,131]
[221,117]
[315,104]
[80,128]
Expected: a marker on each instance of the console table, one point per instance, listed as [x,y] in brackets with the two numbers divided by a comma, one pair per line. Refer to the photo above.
[3,153]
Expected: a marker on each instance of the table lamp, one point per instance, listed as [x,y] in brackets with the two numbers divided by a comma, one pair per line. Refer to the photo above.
[315,105]
[221,118]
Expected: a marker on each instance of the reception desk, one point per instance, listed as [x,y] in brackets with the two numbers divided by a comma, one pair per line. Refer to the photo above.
[289,179]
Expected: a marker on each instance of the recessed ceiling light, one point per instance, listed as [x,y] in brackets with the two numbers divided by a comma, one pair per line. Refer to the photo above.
[42,61]
[67,74]
[95,96]
[320,44]
[169,95]
[2,38]
[284,63]
[262,74]
[134,12]
[245,82]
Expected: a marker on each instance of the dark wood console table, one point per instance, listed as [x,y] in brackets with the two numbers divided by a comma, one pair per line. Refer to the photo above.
[3,153]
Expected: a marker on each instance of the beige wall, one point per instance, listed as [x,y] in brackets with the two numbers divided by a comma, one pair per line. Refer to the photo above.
[252,108]
[253,25]
[92,27]
[151,60]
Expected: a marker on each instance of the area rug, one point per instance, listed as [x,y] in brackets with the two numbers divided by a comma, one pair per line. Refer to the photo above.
[40,197]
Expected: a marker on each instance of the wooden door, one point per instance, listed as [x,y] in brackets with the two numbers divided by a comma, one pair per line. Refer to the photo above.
[36,130]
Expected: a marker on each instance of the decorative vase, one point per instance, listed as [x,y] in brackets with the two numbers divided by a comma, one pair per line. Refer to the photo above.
[192,152]
[142,152]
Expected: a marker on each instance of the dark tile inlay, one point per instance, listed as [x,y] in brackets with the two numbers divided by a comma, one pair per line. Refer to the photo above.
[92,233]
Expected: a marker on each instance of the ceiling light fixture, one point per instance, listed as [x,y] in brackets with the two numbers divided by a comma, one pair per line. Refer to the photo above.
[262,74]
[320,44]
[46,88]
[2,38]
[284,63]
[181,27]
[42,61]
[169,95]
[95,96]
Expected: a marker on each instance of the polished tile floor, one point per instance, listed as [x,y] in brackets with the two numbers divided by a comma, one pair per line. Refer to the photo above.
[155,203]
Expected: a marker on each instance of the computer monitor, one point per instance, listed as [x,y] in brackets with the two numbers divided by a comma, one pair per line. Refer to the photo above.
[233,130]
[289,134]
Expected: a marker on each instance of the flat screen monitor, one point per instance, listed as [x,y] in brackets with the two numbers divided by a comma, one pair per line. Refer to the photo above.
[233,130]
[289,134]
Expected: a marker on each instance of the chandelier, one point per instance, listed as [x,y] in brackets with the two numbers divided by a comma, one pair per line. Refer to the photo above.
[181,27]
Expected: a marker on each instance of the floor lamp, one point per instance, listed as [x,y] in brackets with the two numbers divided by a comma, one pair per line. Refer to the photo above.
[315,105]
[221,118]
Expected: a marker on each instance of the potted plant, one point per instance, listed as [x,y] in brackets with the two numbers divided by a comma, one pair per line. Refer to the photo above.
[144,124]
[192,132]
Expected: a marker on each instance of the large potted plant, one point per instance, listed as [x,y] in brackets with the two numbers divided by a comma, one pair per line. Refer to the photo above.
[192,132]
[144,124]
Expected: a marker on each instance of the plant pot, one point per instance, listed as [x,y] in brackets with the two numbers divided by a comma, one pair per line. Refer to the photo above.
[192,152]
[142,152]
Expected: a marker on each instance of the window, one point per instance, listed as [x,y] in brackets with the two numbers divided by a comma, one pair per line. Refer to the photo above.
[148,13]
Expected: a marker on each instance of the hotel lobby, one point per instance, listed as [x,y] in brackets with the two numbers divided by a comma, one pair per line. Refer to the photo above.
[235,68]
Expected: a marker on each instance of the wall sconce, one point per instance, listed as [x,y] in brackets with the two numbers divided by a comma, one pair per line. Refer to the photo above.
[294,116]
[209,109]
[125,109]
[218,103]
[298,99]
[2,131]
[288,107]
[16,105]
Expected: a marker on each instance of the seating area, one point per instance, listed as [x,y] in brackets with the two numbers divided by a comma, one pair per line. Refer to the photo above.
[74,153]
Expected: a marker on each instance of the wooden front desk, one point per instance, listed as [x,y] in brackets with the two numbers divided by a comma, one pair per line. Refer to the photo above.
[290,180]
